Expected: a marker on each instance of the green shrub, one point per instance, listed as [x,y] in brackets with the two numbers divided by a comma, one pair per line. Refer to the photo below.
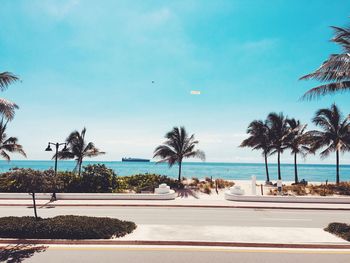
[147,182]
[64,227]
[98,178]
[340,229]
[95,178]
[27,180]
[68,182]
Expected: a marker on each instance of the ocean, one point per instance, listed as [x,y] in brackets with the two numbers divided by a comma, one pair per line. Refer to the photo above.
[231,171]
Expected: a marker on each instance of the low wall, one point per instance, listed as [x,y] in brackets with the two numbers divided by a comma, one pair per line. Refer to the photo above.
[287,199]
[91,196]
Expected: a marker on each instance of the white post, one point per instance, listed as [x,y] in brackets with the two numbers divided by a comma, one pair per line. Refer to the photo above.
[253,185]
[279,187]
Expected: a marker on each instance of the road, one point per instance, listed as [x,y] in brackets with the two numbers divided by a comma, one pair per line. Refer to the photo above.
[209,224]
[197,216]
[177,254]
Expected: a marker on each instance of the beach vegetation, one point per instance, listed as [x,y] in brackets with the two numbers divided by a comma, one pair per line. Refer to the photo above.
[335,71]
[222,184]
[145,183]
[178,146]
[259,139]
[8,145]
[334,135]
[79,149]
[7,108]
[279,132]
[298,142]
[205,188]
[95,178]
[343,188]
[64,227]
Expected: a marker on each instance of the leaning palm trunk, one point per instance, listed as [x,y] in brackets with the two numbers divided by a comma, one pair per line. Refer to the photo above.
[34,206]
[267,169]
[296,180]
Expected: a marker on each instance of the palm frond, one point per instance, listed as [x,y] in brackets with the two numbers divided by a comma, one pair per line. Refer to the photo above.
[6,78]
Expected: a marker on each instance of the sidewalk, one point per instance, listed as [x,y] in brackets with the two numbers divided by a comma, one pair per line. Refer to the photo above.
[180,202]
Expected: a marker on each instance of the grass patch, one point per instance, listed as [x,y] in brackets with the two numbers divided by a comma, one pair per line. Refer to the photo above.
[339,229]
[64,227]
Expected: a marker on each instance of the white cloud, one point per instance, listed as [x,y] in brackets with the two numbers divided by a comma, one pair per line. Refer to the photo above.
[53,8]
[260,45]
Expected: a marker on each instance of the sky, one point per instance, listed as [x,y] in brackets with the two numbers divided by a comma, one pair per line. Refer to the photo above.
[125,70]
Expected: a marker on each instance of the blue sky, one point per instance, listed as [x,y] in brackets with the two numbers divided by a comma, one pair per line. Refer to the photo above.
[92,63]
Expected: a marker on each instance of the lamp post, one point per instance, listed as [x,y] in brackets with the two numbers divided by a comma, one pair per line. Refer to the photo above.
[49,149]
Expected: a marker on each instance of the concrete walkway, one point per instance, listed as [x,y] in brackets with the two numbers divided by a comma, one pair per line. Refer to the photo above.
[179,202]
[280,235]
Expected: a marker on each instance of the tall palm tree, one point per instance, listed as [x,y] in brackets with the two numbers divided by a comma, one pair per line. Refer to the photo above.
[8,144]
[177,147]
[335,71]
[298,142]
[334,136]
[78,148]
[259,139]
[7,108]
[279,131]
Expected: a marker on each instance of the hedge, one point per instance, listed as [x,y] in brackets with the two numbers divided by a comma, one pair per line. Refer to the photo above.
[64,227]
[95,178]
[340,229]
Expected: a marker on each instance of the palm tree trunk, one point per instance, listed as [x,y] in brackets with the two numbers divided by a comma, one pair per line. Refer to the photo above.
[34,206]
[296,179]
[279,165]
[267,169]
[79,167]
[337,160]
[180,164]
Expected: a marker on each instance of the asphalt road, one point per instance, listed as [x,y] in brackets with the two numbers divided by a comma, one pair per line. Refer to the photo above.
[175,255]
[197,216]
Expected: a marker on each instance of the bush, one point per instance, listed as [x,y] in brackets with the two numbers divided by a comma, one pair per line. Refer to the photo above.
[95,178]
[340,229]
[64,227]
[221,183]
[98,178]
[27,180]
[146,182]
[206,189]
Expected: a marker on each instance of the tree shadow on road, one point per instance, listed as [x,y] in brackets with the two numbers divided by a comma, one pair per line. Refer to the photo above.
[19,252]
[185,193]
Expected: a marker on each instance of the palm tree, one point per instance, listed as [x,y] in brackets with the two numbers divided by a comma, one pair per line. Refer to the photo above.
[8,144]
[335,134]
[279,131]
[335,71]
[298,142]
[259,139]
[78,148]
[177,147]
[7,108]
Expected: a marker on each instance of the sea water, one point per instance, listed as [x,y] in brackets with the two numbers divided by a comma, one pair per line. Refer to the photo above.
[231,171]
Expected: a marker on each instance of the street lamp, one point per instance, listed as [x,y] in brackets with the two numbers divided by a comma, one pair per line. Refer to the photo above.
[49,149]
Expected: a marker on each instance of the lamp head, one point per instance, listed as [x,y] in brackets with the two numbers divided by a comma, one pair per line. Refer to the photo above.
[48,149]
[65,149]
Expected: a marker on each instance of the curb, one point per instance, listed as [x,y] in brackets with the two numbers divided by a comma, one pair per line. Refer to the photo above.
[171,243]
[181,206]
